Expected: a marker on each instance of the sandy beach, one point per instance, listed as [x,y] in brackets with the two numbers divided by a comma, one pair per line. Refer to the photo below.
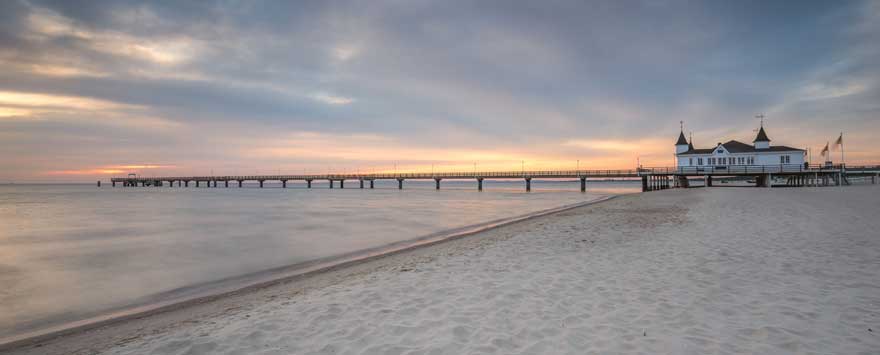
[718,270]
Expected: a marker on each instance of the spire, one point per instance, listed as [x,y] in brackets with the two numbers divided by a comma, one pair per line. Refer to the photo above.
[681,139]
[691,142]
[762,136]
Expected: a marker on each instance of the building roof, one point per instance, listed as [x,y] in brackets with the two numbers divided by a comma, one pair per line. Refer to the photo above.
[734,146]
[762,136]
[681,139]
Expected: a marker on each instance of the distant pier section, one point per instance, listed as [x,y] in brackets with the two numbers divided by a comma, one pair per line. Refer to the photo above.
[652,178]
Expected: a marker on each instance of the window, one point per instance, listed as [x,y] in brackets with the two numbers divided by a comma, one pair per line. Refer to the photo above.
[741,160]
[690,161]
[700,161]
[723,161]
[751,160]
[781,159]
[788,159]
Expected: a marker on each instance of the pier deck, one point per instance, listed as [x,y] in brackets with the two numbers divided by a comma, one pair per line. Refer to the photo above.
[652,178]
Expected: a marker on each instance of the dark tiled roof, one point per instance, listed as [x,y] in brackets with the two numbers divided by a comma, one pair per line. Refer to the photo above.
[681,139]
[762,136]
[740,147]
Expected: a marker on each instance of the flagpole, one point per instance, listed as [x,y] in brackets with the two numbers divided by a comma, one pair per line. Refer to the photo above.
[842,160]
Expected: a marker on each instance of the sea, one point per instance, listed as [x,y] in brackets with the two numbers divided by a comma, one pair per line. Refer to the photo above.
[74,253]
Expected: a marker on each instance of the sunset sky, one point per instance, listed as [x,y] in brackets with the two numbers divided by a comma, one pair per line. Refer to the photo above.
[94,89]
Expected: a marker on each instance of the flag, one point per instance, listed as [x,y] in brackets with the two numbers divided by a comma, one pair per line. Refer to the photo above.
[839,141]
[825,151]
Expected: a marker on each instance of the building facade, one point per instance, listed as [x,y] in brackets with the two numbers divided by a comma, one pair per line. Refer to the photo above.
[737,153]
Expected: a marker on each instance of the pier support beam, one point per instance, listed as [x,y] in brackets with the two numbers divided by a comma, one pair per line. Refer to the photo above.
[113,183]
[708,180]
[331,184]
[400,184]
[583,184]
[261,183]
[170,183]
[341,184]
[361,183]
[283,184]
[226,183]
[308,184]
[645,183]
[874,179]
[240,182]
[371,183]
[479,184]
[197,183]
[528,184]
[769,181]
[437,184]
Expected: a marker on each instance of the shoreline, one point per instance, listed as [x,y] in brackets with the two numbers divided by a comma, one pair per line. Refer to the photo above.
[206,293]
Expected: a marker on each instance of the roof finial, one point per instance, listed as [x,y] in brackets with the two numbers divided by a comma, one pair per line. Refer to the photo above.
[761,116]
[681,123]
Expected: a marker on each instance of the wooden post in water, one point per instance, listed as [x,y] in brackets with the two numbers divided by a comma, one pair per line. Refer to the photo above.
[479,184]
[362,183]
[528,184]
[437,184]
[400,184]
[583,184]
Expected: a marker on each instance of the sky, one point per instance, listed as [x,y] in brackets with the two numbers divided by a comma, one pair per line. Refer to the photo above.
[94,89]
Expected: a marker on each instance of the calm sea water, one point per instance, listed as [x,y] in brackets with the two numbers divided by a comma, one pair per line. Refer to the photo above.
[68,252]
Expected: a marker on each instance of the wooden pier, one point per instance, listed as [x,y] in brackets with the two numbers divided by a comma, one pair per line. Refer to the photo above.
[652,178]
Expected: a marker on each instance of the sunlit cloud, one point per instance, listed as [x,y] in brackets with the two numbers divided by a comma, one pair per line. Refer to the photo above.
[820,91]
[331,99]
[64,71]
[46,25]
[633,146]
[344,53]
[11,112]
[57,101]
[108,170]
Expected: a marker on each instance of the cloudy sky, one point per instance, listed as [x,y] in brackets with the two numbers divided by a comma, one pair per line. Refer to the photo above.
[92,89]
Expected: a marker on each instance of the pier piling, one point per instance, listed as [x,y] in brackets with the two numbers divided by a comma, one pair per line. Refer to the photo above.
[400,184]
[361,183]
[437,184]
[479,184]
[528,184]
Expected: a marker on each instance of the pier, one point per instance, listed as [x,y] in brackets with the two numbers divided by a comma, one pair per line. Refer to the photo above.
[652,178]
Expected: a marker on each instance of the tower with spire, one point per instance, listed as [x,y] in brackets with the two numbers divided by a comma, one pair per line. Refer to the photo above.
[682,144]
[761,141]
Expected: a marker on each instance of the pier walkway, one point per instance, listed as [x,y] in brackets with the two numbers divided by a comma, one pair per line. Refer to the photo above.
[652,178]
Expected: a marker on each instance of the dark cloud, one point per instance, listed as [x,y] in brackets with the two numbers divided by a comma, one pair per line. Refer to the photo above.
[456,72]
